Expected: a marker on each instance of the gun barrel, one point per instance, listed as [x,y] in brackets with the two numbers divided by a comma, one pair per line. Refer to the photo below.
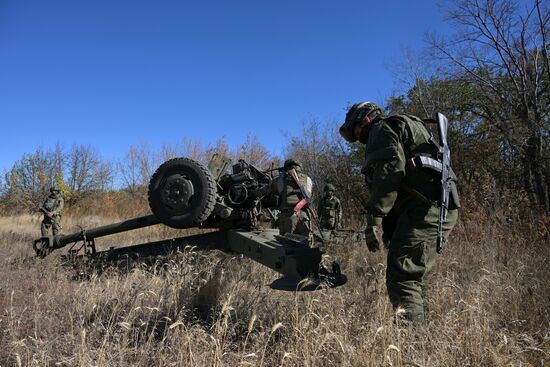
[127,225]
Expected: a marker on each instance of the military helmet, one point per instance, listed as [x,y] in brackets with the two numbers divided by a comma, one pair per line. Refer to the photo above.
[329,187]
[289,163]
[356,114]
[54,189]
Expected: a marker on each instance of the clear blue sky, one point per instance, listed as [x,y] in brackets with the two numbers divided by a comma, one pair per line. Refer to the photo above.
[116,73]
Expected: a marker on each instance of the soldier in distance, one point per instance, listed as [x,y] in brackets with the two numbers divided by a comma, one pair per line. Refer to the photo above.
[330,209]
[52,210]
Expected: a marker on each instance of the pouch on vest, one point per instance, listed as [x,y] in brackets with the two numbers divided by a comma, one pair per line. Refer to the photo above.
[454,194]
[385,154]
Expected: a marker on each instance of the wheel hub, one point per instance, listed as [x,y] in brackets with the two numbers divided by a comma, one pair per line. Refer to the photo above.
[177,192]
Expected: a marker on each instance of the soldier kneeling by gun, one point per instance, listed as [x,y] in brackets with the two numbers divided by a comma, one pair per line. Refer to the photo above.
[52,209]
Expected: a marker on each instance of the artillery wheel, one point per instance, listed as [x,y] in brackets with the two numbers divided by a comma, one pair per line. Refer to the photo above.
[182,193]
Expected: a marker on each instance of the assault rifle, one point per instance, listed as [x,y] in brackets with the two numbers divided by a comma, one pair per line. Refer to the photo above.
[44,210]
[444,155]
[306,200]
[441,165]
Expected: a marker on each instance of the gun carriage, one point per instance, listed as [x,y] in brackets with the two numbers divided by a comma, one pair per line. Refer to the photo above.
[183,193]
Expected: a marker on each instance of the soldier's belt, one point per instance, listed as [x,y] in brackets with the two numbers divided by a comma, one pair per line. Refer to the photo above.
[417,194]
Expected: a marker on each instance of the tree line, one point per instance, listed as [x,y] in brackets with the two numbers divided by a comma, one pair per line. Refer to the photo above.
[81,172]
[492,79]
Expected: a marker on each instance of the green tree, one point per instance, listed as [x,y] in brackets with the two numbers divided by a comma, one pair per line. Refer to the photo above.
[501,51]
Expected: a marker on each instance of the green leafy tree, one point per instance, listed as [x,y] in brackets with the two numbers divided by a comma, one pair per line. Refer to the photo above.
[501,51]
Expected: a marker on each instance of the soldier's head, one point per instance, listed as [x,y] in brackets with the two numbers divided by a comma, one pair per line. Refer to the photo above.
[358,115]
[290,164]
[54,190]
[329,190]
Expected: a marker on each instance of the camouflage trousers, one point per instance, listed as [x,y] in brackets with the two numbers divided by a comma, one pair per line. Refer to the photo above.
[50,226]
[328,222]
[411,256]
[294,222]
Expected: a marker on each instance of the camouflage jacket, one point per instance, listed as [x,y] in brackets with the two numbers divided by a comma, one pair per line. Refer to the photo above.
[54,203]
[288,191]
[391,142]
[330,208]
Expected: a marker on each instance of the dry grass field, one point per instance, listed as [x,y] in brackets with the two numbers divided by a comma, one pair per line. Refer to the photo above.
[489,306]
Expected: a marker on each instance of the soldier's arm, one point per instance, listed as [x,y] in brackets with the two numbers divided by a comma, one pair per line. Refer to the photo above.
[44,211]
[338,210]
[386,172]
[60,206]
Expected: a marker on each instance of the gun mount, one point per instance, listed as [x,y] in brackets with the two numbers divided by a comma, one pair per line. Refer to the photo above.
[185,194]
[340,235]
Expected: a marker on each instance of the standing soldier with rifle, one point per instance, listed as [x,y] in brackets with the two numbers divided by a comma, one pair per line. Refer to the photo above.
[52,210]
[413,197]
[330,209]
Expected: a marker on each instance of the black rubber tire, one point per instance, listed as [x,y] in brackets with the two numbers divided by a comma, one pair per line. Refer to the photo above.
[202,202]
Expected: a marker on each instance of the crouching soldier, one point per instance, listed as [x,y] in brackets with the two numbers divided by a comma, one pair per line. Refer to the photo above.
[52,210]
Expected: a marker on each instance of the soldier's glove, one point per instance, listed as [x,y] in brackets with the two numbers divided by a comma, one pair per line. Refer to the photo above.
[372,238]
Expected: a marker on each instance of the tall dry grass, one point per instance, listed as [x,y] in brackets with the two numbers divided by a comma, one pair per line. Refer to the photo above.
[489,306]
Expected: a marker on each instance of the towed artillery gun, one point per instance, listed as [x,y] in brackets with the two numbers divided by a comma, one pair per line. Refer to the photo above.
[183,193]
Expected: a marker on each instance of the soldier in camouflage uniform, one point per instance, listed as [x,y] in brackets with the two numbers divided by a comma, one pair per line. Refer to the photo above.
[293,219]
[330,209]
[52,209]
[402,201]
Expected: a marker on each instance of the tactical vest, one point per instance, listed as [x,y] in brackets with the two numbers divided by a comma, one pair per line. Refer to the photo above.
[52,203]
[416,141]
[288,190]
